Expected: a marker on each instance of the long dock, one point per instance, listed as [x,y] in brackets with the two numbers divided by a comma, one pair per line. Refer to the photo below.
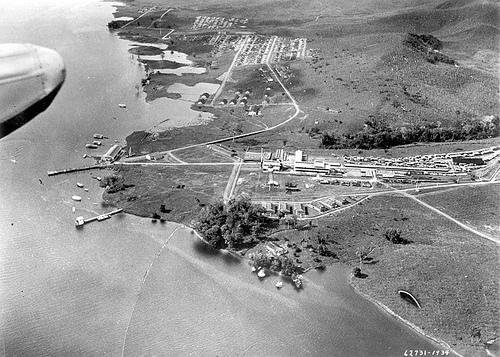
[80,221]
[67,171]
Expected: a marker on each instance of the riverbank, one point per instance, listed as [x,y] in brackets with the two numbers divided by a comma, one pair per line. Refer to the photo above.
[388,311]
[451,271]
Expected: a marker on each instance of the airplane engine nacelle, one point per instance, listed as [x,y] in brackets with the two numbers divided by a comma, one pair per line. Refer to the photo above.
[30,77]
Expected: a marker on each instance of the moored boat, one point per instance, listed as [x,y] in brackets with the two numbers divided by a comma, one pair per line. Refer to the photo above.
[76,198]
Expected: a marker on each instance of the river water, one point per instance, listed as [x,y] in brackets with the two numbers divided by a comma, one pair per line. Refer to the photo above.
[126,286]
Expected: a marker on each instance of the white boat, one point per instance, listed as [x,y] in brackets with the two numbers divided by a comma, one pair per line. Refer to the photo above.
[121,105]
[279,284]
[73,209]
[76,198]
[86,189]
[79,184]
[91,146]
[254,269]
[97,142]
[261,273]
[98,136]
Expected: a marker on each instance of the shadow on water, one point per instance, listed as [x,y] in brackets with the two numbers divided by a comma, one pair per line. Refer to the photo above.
[204,249]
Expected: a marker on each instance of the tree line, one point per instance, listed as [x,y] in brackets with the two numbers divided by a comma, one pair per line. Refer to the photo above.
[378,135]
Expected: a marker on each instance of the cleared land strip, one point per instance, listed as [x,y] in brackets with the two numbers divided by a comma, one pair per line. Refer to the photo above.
[231,182]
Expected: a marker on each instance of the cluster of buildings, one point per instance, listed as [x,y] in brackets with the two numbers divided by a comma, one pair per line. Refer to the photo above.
[303,209]
[203,99]
[260,49]
[256,50]
[455,162]
[214,23]
[243,99]
[283,71]
[221,41]
[289,49]
[368,169]
[296,162]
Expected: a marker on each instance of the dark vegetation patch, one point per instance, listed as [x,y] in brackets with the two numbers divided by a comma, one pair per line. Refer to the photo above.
[232,225]
[145,50]
[377,134]
[429,46]
[161,64]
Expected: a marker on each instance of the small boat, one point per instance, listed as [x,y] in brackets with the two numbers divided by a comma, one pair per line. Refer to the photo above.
[76,198]
[254,269]
[86,189]
[279,284]
[121,105]
[91,146]
[79,184]
[98,178]
[261,273]
[73,209]
[97,142]
[98,136]
[85,156]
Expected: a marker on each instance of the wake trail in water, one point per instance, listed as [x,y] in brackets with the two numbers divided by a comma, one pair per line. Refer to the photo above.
[143,282]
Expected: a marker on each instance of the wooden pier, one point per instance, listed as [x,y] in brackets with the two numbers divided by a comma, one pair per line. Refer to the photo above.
[66,171]
[80,221]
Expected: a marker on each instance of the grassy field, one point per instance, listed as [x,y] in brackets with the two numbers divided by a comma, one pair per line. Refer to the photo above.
[477,206]
[202,154]
[183,190]
[250,78]
[255,183]
[451,272]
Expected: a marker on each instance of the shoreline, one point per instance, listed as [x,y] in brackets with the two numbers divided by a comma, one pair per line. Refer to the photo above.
[412,326]
[349,280]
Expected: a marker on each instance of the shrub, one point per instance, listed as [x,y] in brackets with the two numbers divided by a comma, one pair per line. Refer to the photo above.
[394,236]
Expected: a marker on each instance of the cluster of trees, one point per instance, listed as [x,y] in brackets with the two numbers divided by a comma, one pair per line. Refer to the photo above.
[394,236]
[423,42]
[427,44]
[228,225]
[378,135]
[113,183]
[282,264]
